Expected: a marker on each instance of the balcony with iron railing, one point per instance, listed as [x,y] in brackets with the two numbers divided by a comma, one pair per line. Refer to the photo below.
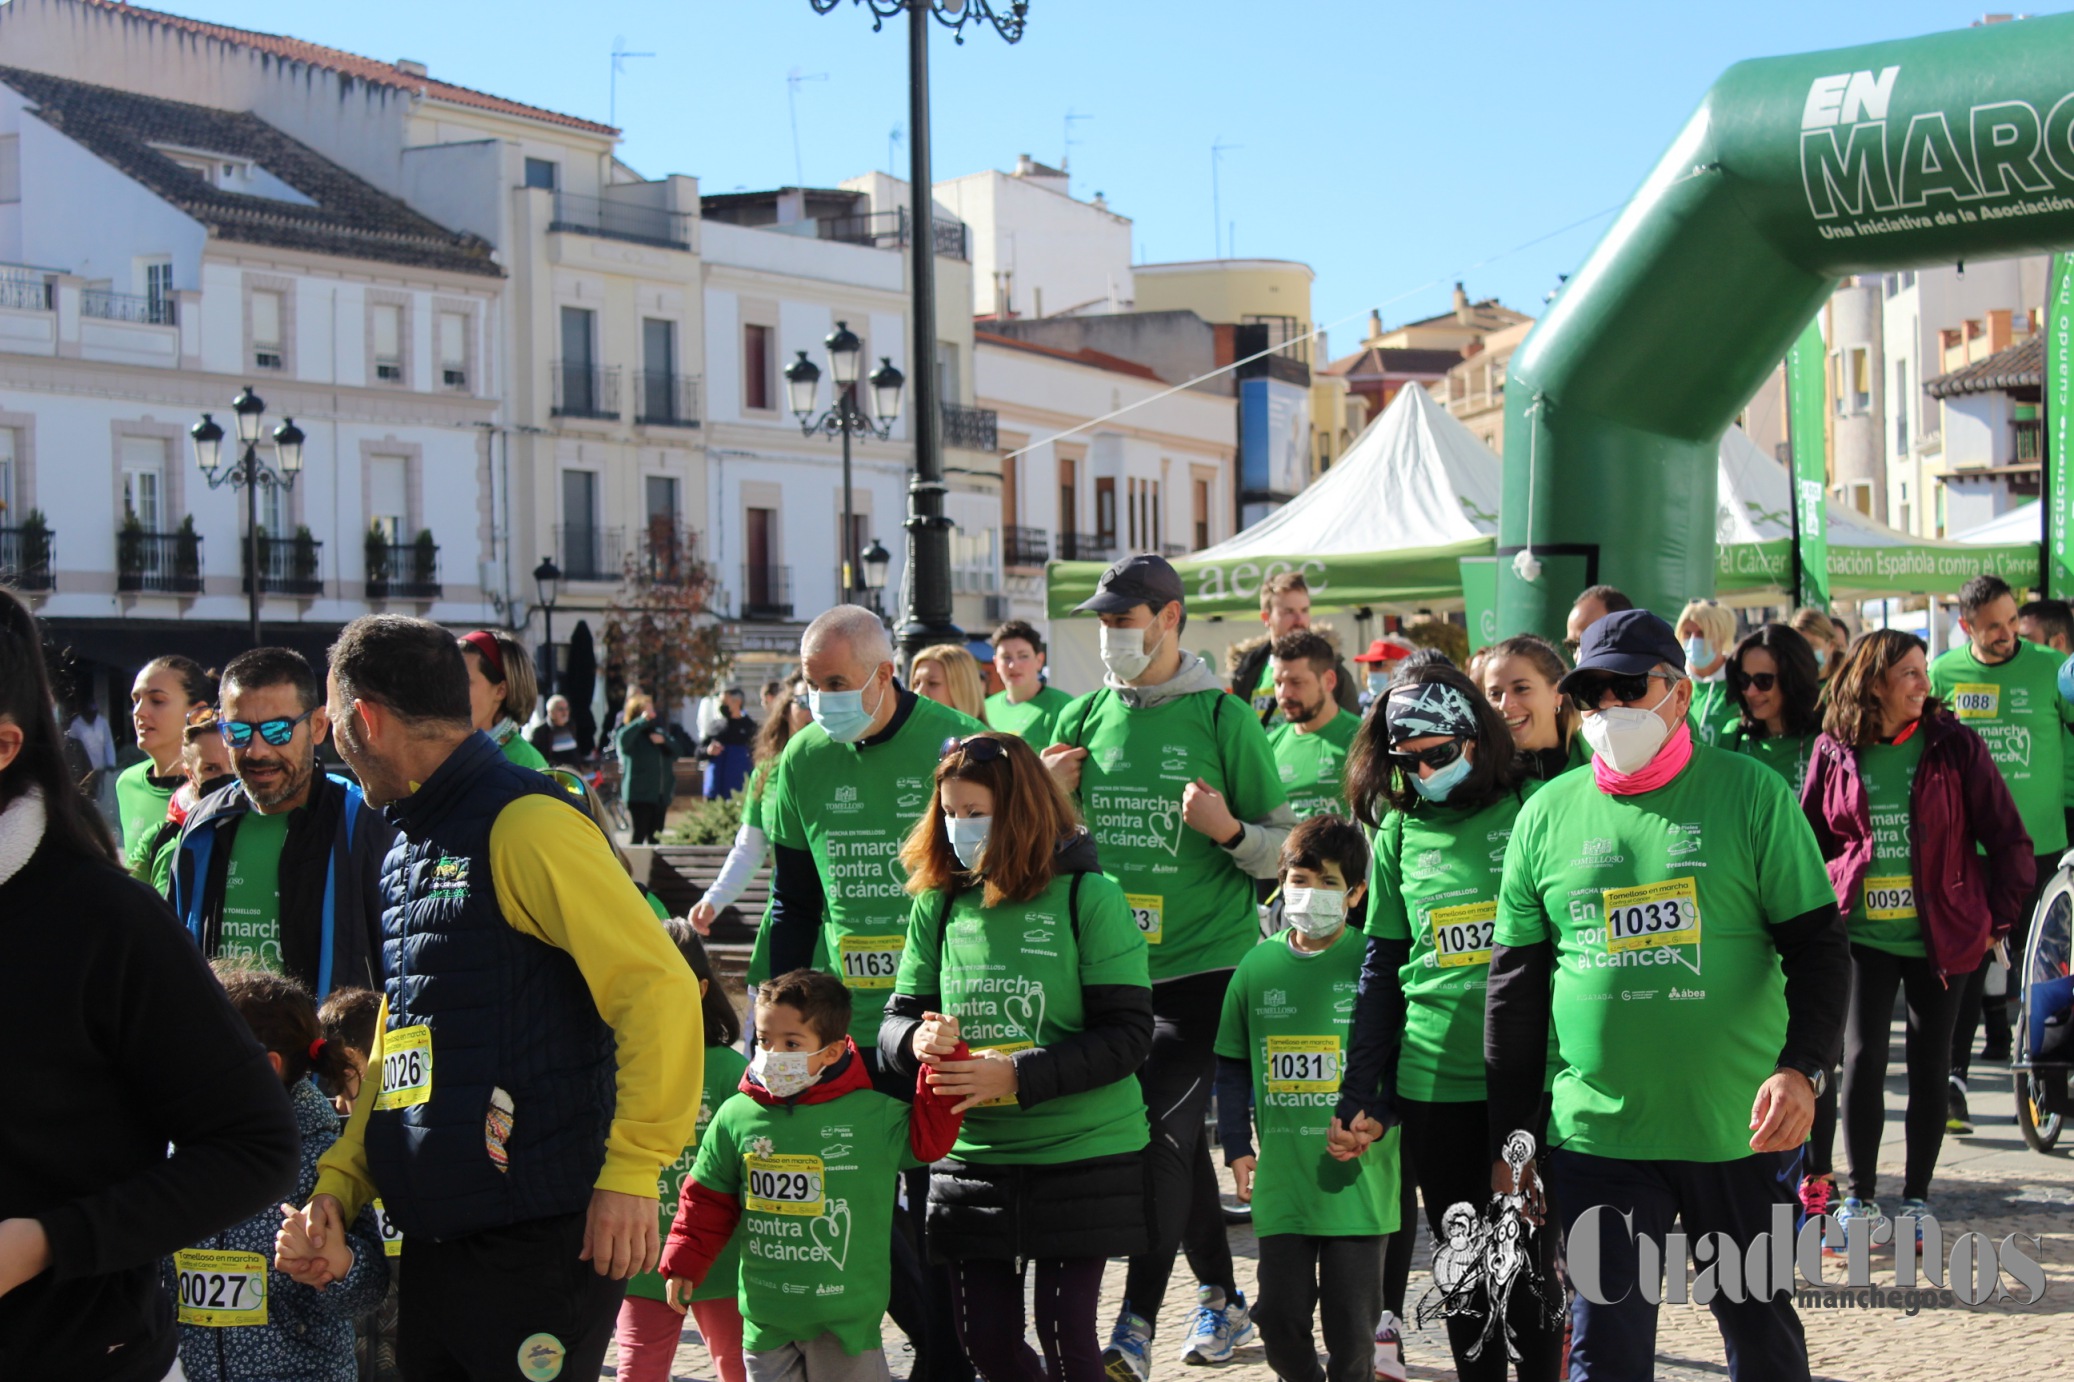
[893,230]
[127,307]
[589,554]
[766,592]
[582,390]
[403,571]
[970,429]
[1085,547]
[612,219]
[1025,546]
[2030,441]
[666,400]
[25,292]
[287,566]
[158,563]
[28,558]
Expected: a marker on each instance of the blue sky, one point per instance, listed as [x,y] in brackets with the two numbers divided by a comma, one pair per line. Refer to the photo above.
[1391,146]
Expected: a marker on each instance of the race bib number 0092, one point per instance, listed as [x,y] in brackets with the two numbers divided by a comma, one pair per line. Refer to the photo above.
[871,962]
[1890,899]
[406,1068]
[1149,910]
[1303,1064]
[1462,935]
[1653,914]
[220,1290]
[785,1185]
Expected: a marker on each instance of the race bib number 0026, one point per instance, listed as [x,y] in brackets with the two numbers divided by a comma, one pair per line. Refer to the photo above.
[871,962]
[406,1068]
[1303,1065]
[1653,914]
[1149,910]
[1462,935]
[785,1185]
[220,1289]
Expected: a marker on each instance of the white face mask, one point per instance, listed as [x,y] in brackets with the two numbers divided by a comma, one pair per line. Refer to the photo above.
[783,1073]
[1124,652]
[1316,912]
[968,836]
[1627,737]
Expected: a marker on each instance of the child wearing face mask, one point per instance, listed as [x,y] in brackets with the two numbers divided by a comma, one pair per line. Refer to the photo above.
[803,1161]
[1281,1047]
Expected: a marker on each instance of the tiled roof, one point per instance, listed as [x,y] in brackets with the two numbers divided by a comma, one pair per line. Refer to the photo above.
[2013,367]
[1100,359]
[1373,362]
[349,65]
[350,218]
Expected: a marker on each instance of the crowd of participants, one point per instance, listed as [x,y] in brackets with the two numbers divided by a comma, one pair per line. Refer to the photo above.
[431,1088]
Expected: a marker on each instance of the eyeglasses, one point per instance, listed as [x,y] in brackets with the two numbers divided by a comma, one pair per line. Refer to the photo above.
[979,748]
[238,733]
[1627,690]
[1747,681]
[1571,646]
[1439,756]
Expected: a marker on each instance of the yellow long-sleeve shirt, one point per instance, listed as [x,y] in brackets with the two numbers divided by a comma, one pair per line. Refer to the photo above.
[558,882]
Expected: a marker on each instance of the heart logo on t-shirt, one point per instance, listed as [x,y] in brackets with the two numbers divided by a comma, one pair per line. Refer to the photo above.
[1026,1010]
[832,1232]
[1167,821]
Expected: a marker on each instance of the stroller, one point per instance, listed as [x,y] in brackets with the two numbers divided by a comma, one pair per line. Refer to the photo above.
[2043,1054]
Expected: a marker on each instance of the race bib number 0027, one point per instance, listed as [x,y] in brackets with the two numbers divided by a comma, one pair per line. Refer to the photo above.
[1462,935]
[1653,914]
[871,962]
[406,1068]
[785,1185]
[220,1289]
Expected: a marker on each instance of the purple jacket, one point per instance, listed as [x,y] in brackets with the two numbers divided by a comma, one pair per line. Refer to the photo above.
[1966,899]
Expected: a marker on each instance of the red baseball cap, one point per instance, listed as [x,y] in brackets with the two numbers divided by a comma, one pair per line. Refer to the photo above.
[1385,650]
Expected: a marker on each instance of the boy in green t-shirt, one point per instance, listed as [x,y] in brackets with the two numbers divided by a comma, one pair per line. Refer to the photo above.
[1027,706]
[1281,1046]
[803,1160]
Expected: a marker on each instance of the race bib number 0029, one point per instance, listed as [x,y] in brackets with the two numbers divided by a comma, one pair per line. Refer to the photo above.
[1976,700]
[785,1185]
[1653,914]
[1303,1065]
[1890,899]
[1149,910]
[871,962]
[220,1289]
[406,1068]
[1462,935]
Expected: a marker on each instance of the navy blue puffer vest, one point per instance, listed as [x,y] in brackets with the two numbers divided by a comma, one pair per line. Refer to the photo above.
[505,1011]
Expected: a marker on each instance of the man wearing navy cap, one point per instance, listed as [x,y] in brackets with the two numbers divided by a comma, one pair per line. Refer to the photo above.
[1669,913]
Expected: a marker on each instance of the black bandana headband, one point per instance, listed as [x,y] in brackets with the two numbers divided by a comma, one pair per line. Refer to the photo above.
[1428,708]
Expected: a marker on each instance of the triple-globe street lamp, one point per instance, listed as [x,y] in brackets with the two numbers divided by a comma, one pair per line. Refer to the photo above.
[845,419]
[249,472]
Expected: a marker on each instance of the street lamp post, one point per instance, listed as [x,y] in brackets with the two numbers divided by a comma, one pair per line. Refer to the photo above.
[927,617]
[547,584]
[250,473]
[846,419]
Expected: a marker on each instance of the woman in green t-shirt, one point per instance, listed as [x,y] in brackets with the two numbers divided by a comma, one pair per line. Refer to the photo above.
[1518,677]
[1436,773]
[1707,629]
[502,692]
[1775,695]
[163,699]
[1021,948]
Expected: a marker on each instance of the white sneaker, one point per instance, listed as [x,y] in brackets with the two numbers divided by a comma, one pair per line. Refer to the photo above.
[1389,1349]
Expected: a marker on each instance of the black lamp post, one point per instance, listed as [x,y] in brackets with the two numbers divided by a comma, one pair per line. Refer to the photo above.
[845,419]
[547,583]
[250,472]
[927,618]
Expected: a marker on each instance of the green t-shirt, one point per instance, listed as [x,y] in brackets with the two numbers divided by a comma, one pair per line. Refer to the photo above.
[1289,1015]
[851,808]
[2016,707]
[1883,914]
[1193,903]
[1669,1004]
[141,803]
[724,1067]
[1033,720]
[1785,754]
[1712,713]
[520,750]
[1313,766]
[1433,881]
[1013,975]
[252,890]
[816,1183]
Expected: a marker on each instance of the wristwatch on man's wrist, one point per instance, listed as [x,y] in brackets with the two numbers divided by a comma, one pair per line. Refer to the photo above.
[1236,840]
[1816,1075]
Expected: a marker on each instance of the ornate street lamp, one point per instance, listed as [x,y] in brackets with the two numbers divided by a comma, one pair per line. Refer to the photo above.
[846,419]
[249,473]
[547,584]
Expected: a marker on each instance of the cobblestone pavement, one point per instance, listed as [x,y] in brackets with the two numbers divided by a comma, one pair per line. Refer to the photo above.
[1987,1183]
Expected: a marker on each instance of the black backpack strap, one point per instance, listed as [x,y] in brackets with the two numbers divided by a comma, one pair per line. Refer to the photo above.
[1073,907]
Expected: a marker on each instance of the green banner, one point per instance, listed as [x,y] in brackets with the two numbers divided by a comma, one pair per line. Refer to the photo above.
[1860,573]
[2059,426]
[1806,401]
[1411,576]
[1480,600]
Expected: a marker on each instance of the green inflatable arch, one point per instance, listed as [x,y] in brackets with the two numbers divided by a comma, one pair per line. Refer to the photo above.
[1793,173]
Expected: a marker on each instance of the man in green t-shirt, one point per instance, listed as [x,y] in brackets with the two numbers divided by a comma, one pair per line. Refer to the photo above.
[2006,691]
[1310,745]
[1179,788]
[1668,911]
[1027,705]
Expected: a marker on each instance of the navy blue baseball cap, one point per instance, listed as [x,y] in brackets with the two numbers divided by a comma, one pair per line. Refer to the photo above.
[1143,579]
[1627,643]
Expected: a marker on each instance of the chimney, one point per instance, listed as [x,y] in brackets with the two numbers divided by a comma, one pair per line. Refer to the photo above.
[1101,203]
[1024,165]
[1375,325]
[1461,304]
[411,67]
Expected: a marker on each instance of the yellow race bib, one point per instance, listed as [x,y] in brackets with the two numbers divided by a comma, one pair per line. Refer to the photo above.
[1890,899]
[1462,935]
[406,1068]
[1149,910]
[1976,700]
[220,1290]
[1303,1065]
[785,1184]
[871,962]
[1653,914]
[392,1236]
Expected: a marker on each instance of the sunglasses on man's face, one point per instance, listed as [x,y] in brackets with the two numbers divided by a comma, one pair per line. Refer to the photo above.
[1626,690]
[238,733]
[979,748]
[1753,681]
[1439,756]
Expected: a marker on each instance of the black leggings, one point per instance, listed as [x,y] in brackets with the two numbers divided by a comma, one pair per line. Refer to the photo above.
[1448,1147]
[647,820]
[1177,1077]
[1932,1006]
[987,1297]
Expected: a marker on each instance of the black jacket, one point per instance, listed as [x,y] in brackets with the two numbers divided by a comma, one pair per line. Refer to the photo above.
[124,1043]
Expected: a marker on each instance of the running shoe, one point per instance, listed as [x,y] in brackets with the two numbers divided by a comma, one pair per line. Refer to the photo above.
[1919,1210]
[1218,1327]
[1956,1118]
[1854,1211]
[1129,1355]
[1817,1195]
[1389,1349]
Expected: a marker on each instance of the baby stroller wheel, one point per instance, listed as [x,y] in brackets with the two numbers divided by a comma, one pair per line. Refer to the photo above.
[2043,1049]
[2041,1129]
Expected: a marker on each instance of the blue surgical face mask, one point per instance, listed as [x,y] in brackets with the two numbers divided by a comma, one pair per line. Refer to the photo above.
[968,836]
[1697,653]
[1443,781]
[1378,682]
[1821,658]
[842,713]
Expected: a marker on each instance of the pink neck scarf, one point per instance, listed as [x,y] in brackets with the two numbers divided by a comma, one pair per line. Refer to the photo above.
[1670,760]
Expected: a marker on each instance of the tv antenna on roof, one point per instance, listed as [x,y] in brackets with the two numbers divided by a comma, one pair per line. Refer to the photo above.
[1070,143]
[792,81]
[619,56]
[1218,148]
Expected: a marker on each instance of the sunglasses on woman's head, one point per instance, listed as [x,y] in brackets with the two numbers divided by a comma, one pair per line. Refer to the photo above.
[1747,681]
[1626,690]
[238,733]
[1439,756]
[979,748]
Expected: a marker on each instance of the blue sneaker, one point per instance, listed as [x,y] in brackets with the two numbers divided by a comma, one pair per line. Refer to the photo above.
[1217,1328]
[1854,1210]
[1129,1355]
[1918,1210]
